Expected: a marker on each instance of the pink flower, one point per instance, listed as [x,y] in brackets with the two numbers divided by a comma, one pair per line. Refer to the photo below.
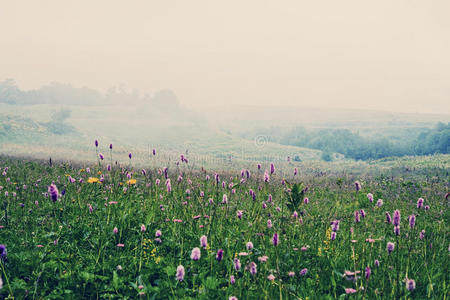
[120,245]
[249,246]
[271,277]
[115,230]
[158,233]
[350,291]
[180,273]
[143,229]
[263,258]
[204,241]
[195,254]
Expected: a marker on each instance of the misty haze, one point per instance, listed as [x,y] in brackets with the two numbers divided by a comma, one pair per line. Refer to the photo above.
[304,146]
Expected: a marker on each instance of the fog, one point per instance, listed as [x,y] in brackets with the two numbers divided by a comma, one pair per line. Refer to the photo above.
[383,55]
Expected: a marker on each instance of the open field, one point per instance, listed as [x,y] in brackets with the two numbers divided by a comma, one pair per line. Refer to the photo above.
[78,230]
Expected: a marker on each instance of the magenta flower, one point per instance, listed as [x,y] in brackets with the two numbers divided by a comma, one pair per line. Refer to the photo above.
[115,230]
[275,240]
[232,279]
[357,186]
[249,246]
[357,218]
[239,214]
[333,235]
[370,197]
[53,192]
[203,241]
[368,271]
[410,285]
[388,218]
[362,212]
[180,273]
[237,264]
[303,272]
[397,230]
[412,221]
[420,203]
[253,268]
[390,247]
[380,202]
[272,168]
[306,200]
[269,223]
[266,176]
[377,263]
[396,217]
[143,229]
[195,254]
[350,291]
[158,233]
[422,235]
[271,277]
[219,255]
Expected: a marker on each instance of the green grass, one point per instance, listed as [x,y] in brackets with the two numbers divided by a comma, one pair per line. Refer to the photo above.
[63,249]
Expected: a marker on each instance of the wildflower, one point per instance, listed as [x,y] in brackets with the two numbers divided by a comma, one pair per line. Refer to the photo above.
[195,255]
[420,203]
[96,143]
[129,155]
[3,252]
[303,272]
[368,271]
[158,233]
[412,221]
[131,181]
[180,273]
[93,180]
[357,218]
[219,255]
[53,192]
[237,264]
[275,239]
[396,217]
[203,241]
[422,235]
[350,291]
[272,168]
[232,279]
[333,235]
[154,151]
[295,214]
[410,285]
[306,200]
[377,263]
[169,187]
[370,197]
[335,225]
[266,176]
[90,208]
[291,274]
[263,258]
[390,247]
[253,268]
[380,202]
[362,213]
[427,207]
[388,218]
[239,214]
[271,277]
[101,156]
[225,199]
[143,229]
[295,171]
[357,186]
[397,230]
[120,245]
[269,223]
[249,246]
[232,298]
[115,230]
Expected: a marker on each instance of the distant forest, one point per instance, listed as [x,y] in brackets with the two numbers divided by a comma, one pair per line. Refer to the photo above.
[351,144]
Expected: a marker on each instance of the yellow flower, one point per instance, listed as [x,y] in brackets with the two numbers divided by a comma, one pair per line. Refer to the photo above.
[131,181]
[93,179]
[82,170]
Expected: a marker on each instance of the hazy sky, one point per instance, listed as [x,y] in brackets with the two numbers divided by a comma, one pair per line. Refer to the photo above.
[384,54]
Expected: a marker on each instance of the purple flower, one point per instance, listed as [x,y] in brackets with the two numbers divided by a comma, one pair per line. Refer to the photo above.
[195,254]
[410,285]
[180,273]
[249,245]
[154,151]
[110,146]
[333,235]
[370,197]
[357,186]
[269,223]
[368,272]
[362,212]
[275,240]
[225,199]
[380,202]
[427,207]
[295,171]
[3,252]
[388,218]
[422,235]
[237,264]
[377,263]
[253,268]
[219,255]
[129,155]
[303,272]
[232,279]
[96,143]
[203,241]
[396,217]
[259,166]
[53,192]
[335,225]
[412,221]
[306,200]
[390,247]
[272,168]
[420,203]
[357,218]
[101,156]
[397,230]
[266,176]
